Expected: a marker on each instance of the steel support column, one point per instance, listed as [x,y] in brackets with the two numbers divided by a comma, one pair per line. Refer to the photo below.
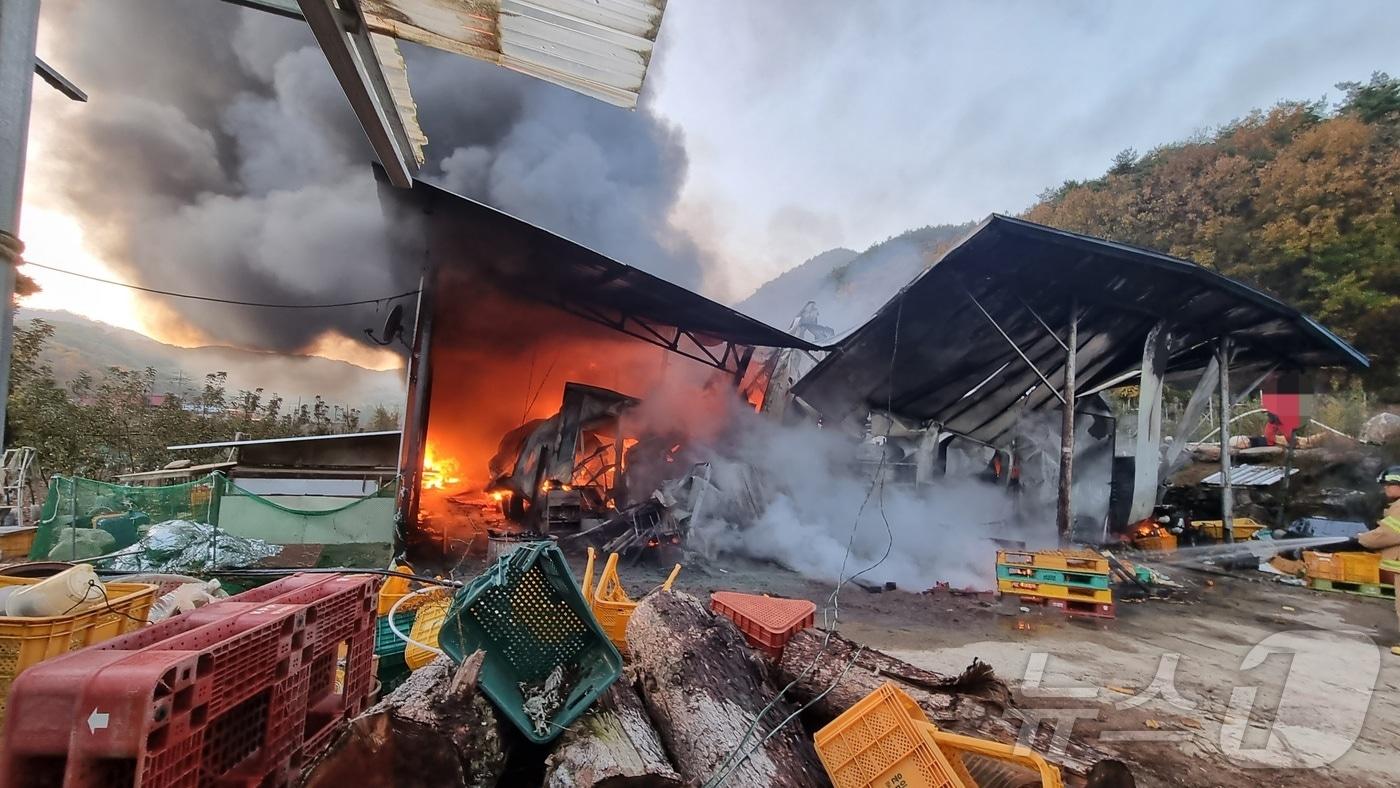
[1227,490]
[19,29]
[1064,515]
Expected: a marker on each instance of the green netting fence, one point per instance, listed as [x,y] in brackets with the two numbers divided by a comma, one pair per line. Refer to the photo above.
[83,519]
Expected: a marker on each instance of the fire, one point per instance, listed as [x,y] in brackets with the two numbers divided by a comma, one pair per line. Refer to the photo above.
[438,473]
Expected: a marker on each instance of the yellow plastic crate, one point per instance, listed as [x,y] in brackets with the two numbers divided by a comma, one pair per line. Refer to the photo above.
[1052,591]
[1086,561]
[426,626]
[1165,543]
[15,542]
[610,603]
[880,742]
[962,753]
[1361,567]
[1244,529]
[1325,566]
[26,641]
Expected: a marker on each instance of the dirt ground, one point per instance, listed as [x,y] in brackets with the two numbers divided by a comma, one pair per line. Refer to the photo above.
[1321,676]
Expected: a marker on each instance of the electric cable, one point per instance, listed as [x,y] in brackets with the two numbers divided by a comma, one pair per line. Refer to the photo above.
[216,299]
[834,601]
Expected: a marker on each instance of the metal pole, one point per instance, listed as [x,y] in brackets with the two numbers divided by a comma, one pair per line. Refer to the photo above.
[1227,490]
[1063,513]
[19,29]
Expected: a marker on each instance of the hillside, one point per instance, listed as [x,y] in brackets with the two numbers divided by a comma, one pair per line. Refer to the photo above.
[81,345]
[1301,201]
[849,287]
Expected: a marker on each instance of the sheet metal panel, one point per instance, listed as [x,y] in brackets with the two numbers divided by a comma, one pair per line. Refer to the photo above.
[600,48]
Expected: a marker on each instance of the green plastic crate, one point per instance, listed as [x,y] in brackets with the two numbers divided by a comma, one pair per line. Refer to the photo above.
[393,671]
[527,614]
[385,641]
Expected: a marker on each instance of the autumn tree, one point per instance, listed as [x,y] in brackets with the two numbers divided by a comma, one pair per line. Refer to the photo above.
[1301,201]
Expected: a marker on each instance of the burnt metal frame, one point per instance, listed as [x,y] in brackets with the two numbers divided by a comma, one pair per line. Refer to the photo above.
[734,359]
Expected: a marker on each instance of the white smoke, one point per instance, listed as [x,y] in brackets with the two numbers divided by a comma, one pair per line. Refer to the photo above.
[795,495]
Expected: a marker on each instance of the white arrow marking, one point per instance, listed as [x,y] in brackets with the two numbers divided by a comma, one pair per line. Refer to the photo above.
[97,721]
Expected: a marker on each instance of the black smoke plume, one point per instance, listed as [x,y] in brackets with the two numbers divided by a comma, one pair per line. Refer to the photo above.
[218,155]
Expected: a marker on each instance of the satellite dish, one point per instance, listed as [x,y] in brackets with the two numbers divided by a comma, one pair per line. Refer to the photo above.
[393,328]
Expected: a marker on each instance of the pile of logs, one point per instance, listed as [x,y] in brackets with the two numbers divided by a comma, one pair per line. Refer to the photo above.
[696,704]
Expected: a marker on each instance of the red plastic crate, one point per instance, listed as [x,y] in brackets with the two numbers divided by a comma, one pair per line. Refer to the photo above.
[767,622]
[238,693]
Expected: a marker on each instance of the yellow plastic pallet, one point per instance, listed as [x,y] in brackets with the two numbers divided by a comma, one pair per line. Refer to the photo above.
[1049,591]
[1086,561]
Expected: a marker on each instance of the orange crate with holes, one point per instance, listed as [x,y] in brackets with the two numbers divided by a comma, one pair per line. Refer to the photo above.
[880,742]
[1324,566]
[767,622]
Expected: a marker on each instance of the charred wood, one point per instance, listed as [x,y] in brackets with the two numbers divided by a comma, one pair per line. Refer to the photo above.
[614,745]
[434,730]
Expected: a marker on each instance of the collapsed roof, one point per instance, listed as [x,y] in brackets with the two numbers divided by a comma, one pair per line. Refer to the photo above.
[936,351]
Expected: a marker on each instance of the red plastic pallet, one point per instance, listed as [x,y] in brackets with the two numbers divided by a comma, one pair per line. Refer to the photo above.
[767,622]
[1073,607]
[238,693]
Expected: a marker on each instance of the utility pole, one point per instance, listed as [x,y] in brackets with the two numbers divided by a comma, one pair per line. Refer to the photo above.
[19,30]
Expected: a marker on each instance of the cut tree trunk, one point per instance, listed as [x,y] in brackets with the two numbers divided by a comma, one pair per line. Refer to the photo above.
[613,746]
[704,687]
[975,704]
[434,730]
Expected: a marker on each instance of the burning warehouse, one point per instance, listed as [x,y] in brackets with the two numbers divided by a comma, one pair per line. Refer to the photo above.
[555,390]
[528,361]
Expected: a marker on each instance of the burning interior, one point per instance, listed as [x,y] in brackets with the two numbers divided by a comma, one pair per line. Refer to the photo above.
[531,361]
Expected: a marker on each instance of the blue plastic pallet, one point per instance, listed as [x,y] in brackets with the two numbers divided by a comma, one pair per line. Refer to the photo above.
[1052,576]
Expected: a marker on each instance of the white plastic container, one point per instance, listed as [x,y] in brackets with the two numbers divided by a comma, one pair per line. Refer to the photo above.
[66,592]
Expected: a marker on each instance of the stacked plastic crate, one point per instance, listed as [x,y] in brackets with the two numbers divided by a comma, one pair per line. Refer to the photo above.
[1349,572]
[241,692]
[1075,581]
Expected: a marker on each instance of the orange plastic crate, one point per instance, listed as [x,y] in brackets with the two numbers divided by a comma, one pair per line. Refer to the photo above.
[1324,566]
[880,742]
[767,622]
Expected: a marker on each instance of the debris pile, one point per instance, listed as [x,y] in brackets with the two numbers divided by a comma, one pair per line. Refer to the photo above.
[696,704]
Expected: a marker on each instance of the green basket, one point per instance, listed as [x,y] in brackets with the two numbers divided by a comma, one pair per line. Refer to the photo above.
[385,641]
[527,614]
[393,671]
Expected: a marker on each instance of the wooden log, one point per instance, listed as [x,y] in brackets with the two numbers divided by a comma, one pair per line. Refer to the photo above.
[975,704]
[613,745]
[434,730]
[703,688]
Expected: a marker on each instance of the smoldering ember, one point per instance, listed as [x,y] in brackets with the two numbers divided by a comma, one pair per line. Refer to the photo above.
[395,396]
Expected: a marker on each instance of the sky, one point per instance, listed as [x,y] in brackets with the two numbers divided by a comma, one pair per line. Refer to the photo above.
[809,124]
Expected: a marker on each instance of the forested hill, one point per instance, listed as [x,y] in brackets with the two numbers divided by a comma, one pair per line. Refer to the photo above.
[1302,201]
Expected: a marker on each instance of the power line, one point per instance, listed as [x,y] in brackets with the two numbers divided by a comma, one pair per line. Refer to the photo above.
[217,300]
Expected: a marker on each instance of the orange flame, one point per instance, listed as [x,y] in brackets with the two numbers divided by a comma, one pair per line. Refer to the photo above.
[438,473]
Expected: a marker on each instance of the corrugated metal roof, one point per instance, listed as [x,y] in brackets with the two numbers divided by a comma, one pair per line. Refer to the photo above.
[941,360]
[1250,476]
[600,48]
